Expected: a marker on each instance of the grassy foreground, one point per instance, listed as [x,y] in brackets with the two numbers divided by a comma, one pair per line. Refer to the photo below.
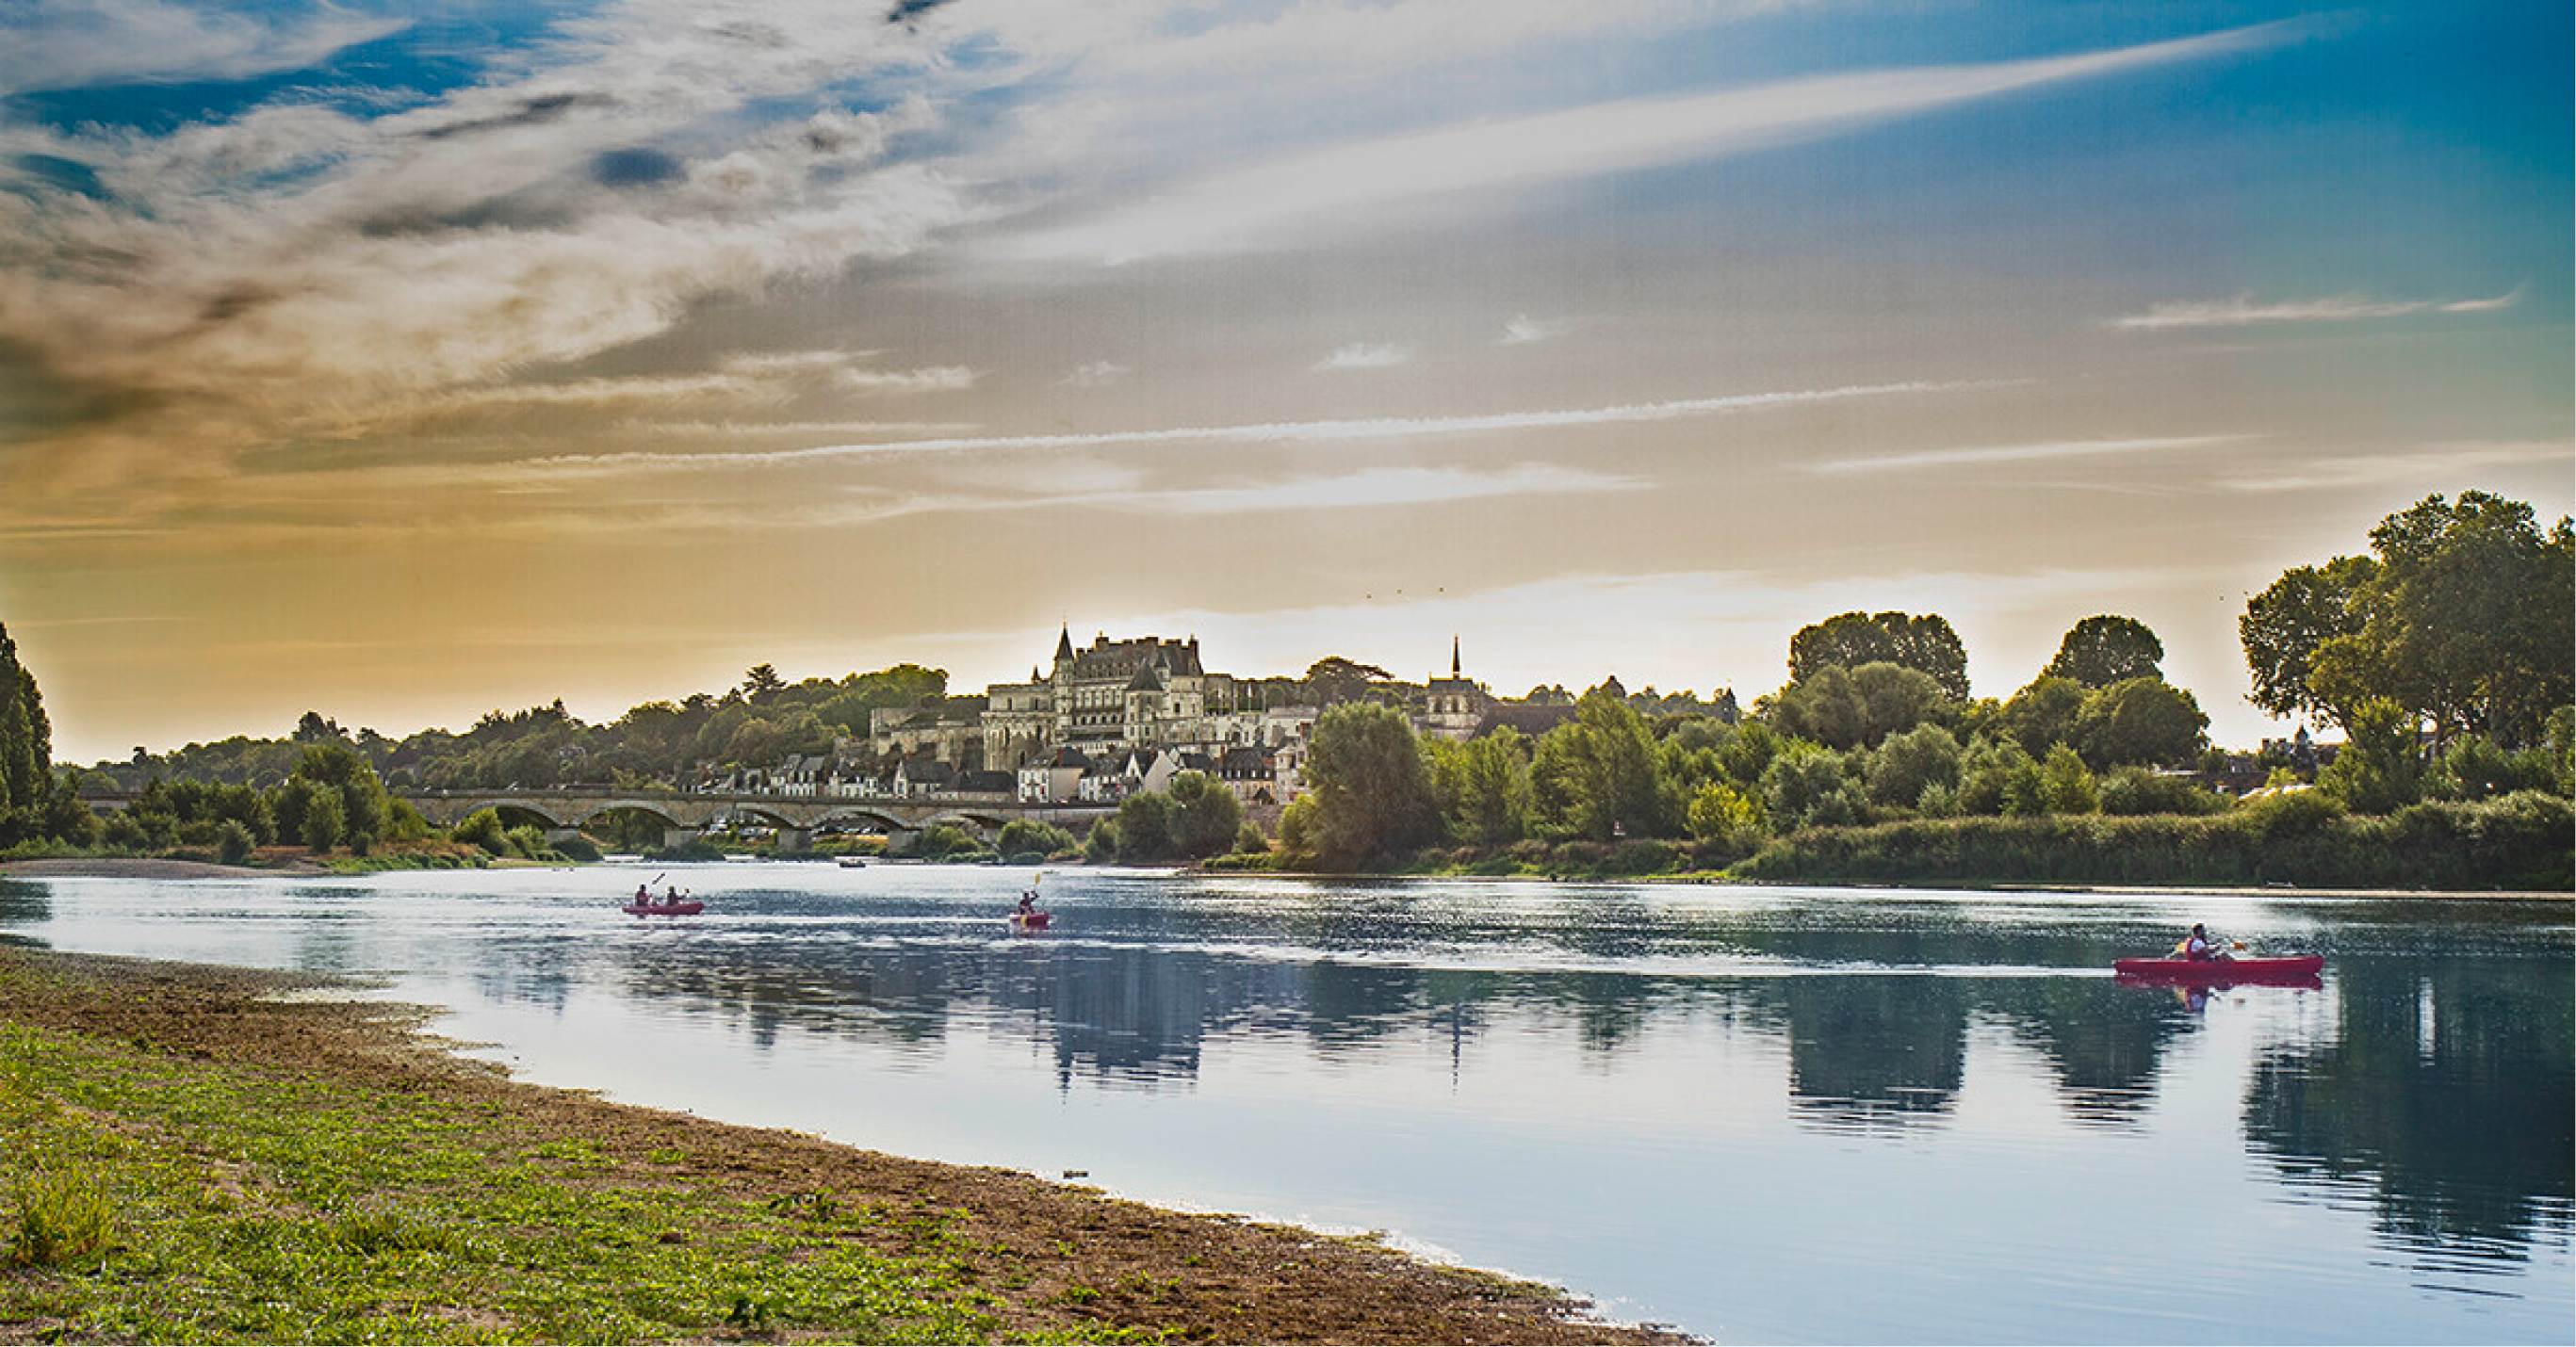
[190,1159]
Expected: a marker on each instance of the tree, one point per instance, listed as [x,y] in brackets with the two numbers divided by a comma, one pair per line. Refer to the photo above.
[2041,715]
[2144,721]
[1205,816]
[2107,649]
[1720,812]
[2465,616]
[1333,680]
[2380,769]
[2285,625]
[26,749]
[314,728]
[1145,827]
[1845,709]
[760,683]
[1482,785]
[1600,770]
[1372,800]
[1909,764]
[1927,643]
[1805,787]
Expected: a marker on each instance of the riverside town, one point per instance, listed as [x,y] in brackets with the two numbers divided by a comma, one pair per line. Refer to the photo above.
[1287,672]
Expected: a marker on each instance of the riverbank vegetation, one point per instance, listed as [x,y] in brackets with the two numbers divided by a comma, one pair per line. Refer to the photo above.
[2443,656]
[198,1159]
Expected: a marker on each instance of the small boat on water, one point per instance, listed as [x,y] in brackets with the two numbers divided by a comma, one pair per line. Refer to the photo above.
[853,862]
[2297,971]
[1030,921]
[686,907]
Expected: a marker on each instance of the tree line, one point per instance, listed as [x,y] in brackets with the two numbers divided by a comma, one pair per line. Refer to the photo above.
[2444,656]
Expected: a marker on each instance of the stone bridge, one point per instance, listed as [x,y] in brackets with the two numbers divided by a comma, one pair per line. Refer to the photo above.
[684,814]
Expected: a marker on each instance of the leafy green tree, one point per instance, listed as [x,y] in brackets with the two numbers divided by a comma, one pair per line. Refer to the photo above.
[1205,816]
[2106,649]
[2290,621]
[1145,827]
[1805,787]
[1372,799]
[323,823]
[2381,767]
[1333,680]
[2465,618]
[760,683]
[1845,709]
[1908,764]
[2042,715]
[1597,775]
[1483,786]
[26,749]
[1023,837]
[2145,721]
[1926,643]
[1721,812]
[2066,784]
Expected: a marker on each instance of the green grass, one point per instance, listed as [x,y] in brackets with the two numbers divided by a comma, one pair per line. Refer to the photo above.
[162,1199]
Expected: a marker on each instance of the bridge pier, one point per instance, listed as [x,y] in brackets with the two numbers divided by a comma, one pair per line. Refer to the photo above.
[559,836]
[795,841]
[675,838]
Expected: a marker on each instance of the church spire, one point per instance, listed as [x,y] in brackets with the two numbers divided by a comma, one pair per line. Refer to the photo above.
[1453,656]
[1064,644]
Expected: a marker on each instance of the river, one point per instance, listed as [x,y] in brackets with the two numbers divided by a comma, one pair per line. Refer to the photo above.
[1774,1114]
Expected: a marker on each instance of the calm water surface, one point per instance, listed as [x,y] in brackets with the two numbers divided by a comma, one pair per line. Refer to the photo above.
[1779,1115]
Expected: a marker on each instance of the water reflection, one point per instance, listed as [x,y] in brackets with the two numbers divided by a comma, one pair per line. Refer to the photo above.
[2445,1093]
[1896,1054]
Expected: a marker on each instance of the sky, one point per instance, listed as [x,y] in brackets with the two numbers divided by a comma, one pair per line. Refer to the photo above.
[408,362]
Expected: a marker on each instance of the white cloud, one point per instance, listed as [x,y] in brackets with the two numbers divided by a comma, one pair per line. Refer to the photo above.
[1277,432]
[1254,208]
[2429,463]
[2020,453]
[1365,355]
[1523,329]
[2244,311]
[1097,374]
[64,44]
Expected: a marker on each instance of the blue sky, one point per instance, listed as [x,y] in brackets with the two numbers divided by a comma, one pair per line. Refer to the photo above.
[406,363]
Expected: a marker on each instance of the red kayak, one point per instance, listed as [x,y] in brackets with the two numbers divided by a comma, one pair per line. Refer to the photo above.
[690,908]
[2196,972]
[1030,921]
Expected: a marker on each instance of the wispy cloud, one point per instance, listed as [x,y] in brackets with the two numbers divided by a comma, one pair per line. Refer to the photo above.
[1097,374]
[65,44]
[1523,330]
[2433,463]
[2245,311]
[1365,355]
[2020,453]
[1248,208]
[1275,432]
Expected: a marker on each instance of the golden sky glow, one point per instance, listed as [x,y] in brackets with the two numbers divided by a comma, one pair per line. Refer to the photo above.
[405,368]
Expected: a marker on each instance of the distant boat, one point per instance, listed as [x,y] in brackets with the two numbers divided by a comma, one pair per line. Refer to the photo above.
[853,862]
[1031,921]
[689,907]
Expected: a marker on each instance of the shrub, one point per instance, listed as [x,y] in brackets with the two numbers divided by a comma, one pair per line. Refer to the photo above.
[1029,838]
[233,842]
[62,1219]
[482,828]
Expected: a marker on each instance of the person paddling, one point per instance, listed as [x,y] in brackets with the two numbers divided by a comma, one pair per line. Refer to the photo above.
[2197,946]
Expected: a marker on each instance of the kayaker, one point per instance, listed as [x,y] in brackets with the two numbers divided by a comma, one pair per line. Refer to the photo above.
[643,893]
[1028,902]
[2196,946]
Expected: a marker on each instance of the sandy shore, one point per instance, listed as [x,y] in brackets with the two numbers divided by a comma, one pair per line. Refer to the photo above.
[1197,1278]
